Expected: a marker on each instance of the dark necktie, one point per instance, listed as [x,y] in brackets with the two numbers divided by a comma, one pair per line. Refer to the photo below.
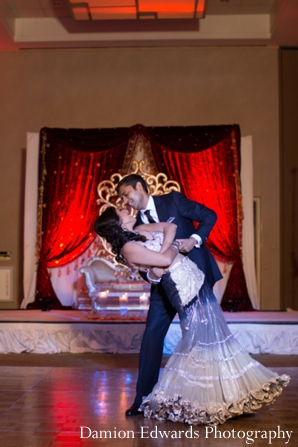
[149,217]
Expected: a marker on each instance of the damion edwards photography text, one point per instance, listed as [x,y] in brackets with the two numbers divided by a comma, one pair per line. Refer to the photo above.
[208,432]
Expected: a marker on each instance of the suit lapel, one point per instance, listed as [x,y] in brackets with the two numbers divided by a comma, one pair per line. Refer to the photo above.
[160,206]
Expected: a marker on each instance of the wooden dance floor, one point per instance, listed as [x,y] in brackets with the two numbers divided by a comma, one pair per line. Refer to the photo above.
[67,377]
[58,400]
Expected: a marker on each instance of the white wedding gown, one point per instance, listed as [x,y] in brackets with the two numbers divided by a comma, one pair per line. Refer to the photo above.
[209,378]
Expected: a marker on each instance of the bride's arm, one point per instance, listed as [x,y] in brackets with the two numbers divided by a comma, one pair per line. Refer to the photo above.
[167,228]
[135,253]
[169,236]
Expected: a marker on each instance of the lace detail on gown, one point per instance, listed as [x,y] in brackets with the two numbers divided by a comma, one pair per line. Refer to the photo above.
[188,279]
[184,273]
[209,378]
[155,243]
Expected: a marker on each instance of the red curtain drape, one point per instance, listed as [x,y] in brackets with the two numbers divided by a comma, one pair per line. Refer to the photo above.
[72,163]
[205,160]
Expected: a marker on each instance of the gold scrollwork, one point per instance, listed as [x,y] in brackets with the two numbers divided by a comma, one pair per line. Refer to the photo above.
[157,185]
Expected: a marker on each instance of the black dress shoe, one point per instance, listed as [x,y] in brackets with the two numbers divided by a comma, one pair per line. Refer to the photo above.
[133,410]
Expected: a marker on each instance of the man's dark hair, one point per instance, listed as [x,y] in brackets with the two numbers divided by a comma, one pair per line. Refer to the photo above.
[132,180]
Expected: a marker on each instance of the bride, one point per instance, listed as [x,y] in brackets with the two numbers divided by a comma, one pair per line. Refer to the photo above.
[209,378]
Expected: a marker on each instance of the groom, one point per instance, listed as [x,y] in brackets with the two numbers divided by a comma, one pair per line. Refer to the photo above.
[173,207]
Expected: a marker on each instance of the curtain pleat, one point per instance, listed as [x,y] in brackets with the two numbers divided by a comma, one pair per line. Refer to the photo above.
[210,175]
[72,163]
[205,160]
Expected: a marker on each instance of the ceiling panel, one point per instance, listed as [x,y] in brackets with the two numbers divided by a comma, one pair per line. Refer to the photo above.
[167,9]
[164,8]
[53,3]
[138,9]
[50,24]
[108,3]
[124,13]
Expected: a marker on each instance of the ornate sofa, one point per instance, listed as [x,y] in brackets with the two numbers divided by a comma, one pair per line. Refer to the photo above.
[101,276]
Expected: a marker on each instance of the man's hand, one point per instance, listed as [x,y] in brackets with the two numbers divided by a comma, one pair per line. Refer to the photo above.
[157,272]
[186,245]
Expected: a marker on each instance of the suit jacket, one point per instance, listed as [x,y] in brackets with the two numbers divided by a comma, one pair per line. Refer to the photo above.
[185,213]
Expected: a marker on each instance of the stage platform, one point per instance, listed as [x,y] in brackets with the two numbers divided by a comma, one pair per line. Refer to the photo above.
[78,331]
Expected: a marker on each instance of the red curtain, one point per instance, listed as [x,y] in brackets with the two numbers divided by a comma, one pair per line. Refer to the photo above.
[206,163]
[72,163]
[205,160]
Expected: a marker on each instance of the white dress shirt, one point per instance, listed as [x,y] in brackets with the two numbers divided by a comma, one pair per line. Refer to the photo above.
[151,207]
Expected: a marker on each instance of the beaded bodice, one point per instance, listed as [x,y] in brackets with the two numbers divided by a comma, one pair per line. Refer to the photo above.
[184,273]
[155,243]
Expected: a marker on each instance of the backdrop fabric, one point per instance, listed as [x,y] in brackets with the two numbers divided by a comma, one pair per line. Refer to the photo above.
[210,175]
[30,218]
[249,249]
[72,163]
[205,160]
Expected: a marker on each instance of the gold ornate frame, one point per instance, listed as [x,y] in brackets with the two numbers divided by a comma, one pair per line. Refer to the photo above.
[157,185]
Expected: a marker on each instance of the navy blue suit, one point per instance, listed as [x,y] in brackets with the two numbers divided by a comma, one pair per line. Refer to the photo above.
[161,312]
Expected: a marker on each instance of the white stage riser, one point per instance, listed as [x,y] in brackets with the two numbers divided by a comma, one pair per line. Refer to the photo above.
[53,338]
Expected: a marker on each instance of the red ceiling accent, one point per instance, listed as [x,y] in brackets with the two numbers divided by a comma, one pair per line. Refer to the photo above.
[137,9]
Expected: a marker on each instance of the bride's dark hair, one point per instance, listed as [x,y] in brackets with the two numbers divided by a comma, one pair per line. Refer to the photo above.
[108,225]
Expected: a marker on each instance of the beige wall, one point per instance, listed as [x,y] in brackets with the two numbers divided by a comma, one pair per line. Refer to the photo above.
[289,182]
[122,87]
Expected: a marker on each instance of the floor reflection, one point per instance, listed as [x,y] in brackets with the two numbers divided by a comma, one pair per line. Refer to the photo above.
[81,402]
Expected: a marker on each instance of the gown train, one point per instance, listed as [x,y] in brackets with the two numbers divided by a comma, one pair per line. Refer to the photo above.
[209,378]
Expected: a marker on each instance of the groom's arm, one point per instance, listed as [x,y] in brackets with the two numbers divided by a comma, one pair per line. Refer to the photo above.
[196,212]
